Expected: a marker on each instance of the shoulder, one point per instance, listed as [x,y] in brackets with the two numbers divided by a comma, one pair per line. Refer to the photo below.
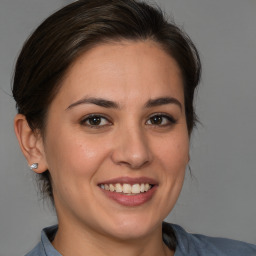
[37,251]
[200,245]
[44,247]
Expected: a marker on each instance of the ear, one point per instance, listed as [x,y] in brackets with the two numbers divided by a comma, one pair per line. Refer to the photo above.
[31,143]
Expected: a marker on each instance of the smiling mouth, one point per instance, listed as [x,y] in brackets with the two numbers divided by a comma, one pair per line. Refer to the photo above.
[127,189]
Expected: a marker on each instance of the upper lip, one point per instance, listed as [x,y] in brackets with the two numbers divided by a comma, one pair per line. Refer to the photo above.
[130,180]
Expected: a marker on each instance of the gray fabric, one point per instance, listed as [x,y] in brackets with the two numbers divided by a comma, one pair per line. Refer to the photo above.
[200,245]
[187,244]
[45,248]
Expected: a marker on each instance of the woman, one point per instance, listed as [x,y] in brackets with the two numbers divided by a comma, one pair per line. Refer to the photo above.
[104,93]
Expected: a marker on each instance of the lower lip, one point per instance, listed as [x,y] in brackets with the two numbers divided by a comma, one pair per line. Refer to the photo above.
[131,200]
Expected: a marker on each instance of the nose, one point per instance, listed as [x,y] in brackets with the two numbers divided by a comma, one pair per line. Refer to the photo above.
[131,148]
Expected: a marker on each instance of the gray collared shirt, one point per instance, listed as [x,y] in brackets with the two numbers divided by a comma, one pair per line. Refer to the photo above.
[187,244]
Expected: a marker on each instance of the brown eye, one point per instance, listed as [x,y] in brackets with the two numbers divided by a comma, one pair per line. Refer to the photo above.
[161,120]
[95,121]
[156,120]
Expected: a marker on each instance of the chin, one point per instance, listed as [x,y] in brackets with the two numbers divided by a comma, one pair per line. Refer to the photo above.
[133,228]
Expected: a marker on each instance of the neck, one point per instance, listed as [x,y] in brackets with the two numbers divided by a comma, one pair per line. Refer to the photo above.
[71,241]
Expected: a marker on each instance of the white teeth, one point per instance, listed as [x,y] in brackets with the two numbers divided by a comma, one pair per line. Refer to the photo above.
[127,188]
[136,189]
[147,187]
[111,188]
[118,188]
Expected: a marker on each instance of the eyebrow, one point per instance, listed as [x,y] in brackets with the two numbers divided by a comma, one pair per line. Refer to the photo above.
[162,101]
[111,104]
[96,101]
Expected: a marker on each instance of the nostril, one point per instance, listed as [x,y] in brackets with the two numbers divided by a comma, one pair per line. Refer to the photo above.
[132,149]
[134,164]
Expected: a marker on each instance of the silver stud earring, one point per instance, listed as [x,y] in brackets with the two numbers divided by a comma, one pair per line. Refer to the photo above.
[33,166]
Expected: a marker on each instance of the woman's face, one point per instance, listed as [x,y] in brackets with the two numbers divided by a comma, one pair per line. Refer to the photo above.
[118,123]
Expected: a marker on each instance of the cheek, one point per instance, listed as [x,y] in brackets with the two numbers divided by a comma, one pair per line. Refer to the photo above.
[174,156]
[73,164]
[174,152]
[71,155]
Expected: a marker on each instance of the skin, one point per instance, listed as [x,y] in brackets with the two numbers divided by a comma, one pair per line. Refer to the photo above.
[126,143]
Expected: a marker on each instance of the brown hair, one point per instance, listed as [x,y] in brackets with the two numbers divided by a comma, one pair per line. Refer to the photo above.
[69,32]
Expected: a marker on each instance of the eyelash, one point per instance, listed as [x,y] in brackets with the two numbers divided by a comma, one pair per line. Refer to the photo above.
[86,121]
[169,119]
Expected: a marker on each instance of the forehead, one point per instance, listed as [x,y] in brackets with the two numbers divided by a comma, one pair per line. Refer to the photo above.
[123,70]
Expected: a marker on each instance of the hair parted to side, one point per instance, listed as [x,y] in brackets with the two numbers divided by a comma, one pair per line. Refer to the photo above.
[76,28]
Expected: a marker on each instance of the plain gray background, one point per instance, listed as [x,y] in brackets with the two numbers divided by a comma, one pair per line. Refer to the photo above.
[220,198]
